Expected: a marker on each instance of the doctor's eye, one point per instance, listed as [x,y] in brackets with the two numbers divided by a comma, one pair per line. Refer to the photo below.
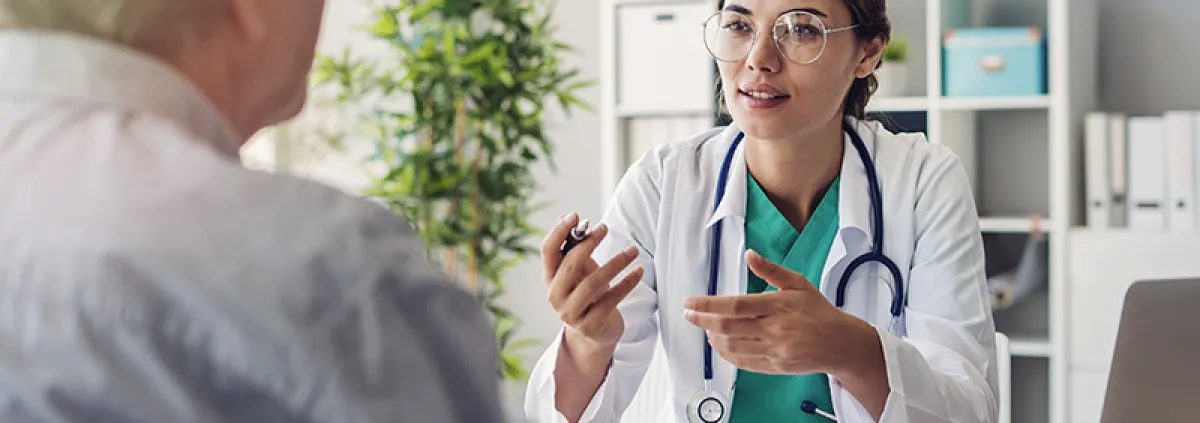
[802,32]
[737,26]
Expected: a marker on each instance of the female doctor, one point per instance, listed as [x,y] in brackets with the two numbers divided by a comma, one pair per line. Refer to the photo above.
[799,265]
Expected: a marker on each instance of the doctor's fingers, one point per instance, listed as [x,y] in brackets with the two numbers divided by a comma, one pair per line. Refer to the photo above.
[728,326]
[591,291]
[754,363]
[751,305]
[578,262]
[598,312]
[569,283]
[553,259]
[553,242]
[741,346]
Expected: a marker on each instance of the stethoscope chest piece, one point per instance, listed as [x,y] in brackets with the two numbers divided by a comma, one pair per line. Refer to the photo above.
[707,406]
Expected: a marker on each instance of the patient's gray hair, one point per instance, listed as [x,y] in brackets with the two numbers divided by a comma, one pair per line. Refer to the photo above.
[158,25]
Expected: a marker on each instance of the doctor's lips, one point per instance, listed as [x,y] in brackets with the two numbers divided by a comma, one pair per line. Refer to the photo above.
[761,96]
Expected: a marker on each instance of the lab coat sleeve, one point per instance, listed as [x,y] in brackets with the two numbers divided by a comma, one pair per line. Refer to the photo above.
[631,220]
[945,369]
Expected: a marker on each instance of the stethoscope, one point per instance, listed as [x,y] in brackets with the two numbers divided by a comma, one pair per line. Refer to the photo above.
[708,406]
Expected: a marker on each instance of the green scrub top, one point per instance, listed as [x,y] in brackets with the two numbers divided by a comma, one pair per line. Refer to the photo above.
[776,398]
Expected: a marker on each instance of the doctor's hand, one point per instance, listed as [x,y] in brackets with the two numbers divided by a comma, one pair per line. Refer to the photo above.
[794,330]
[581,290]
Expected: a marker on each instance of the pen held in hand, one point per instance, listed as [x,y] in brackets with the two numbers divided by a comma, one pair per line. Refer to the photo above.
[577,235]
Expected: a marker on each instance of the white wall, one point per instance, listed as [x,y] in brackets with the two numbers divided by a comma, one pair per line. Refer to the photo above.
[1148,61]
[577,148]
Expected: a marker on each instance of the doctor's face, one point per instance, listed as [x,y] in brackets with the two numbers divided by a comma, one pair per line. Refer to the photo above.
[786,65]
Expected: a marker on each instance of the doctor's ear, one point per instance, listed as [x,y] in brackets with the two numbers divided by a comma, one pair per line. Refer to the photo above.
[872,53]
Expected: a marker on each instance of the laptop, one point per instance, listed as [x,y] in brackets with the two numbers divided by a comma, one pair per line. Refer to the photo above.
[1155,374]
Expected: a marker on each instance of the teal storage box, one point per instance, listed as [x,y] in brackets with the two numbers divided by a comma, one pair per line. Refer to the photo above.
[988,62]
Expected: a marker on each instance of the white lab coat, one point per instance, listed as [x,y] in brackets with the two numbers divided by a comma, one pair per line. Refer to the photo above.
[943,370]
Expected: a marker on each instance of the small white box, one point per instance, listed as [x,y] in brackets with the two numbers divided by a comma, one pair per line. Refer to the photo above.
[662,64]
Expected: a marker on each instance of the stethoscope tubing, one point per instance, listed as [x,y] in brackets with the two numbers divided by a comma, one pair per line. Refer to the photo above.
[875,255]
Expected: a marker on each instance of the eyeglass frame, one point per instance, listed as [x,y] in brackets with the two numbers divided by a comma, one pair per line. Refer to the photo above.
[774,38]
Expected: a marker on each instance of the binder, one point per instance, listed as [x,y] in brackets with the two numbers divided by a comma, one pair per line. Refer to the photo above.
[1147,174]
[1118,152]
[1181,193]
[1196,169]
[1096,165]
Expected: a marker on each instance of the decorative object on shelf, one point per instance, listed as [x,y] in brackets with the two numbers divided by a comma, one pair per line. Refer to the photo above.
[454,105]
[1010,287]
[996,61]
[892,73]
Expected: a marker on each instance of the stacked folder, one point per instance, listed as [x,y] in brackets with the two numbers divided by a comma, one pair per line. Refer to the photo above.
[1142,173]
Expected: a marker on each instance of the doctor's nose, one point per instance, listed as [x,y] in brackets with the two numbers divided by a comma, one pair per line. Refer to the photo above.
[764,56]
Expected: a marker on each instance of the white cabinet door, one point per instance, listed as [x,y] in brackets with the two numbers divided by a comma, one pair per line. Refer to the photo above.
[662,64]
[1102,265]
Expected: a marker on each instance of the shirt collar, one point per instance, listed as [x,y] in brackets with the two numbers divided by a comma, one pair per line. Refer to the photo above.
[854,202]
[78,68]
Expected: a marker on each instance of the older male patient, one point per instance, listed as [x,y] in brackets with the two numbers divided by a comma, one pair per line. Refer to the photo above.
[146,277]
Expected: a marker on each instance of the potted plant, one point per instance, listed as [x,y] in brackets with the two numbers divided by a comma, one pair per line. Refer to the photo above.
[453,104]
[892,74]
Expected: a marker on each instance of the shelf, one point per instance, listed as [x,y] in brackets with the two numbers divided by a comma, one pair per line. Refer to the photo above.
[1010,224]
[995,103]
[898,104]
[1128,235]
[1025,346]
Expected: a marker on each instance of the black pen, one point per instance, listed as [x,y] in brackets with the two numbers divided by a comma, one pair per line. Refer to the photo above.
[578,233]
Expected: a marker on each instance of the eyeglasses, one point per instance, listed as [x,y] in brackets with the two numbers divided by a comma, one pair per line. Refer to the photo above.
[800,36]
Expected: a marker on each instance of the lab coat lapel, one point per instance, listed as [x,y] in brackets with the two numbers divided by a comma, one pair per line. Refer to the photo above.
[854,212]
[730,214]
[734,202]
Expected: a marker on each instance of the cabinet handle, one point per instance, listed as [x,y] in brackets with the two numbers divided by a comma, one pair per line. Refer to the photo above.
[664,17]
[992,63]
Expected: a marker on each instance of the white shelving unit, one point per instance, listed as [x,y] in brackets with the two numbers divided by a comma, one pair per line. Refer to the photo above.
[1023,152]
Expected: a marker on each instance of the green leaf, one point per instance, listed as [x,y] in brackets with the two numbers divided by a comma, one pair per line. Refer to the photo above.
[448,50]
[478,55]
[579,85]
[423,9]
[506,78]
[512,368]
[385,26]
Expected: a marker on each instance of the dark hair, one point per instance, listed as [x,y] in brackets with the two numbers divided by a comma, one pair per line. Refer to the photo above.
[872,20]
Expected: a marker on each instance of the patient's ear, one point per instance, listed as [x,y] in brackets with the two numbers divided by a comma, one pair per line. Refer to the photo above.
[872,52]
